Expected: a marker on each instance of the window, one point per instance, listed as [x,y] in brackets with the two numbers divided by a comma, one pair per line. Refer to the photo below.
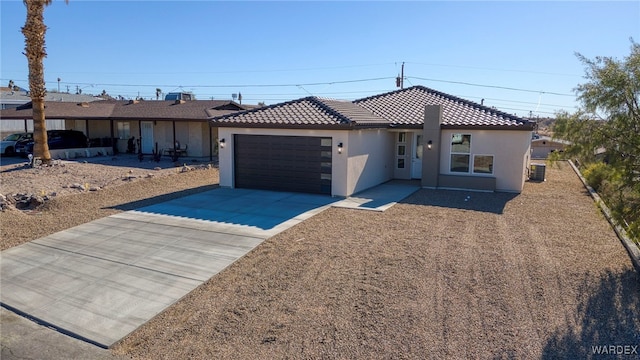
[123,130]
[460,152]
[418,146]
[325,142]
[461,156]
[483,164]
[401,150]
[459,163]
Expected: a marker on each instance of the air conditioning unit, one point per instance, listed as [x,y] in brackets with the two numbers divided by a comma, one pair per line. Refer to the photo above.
[537,172]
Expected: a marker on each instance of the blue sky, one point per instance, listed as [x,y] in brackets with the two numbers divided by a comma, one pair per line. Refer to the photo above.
[279,51]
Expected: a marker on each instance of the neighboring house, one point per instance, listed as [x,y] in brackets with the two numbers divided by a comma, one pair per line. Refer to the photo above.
[154,125]
[13,98]
[341,148]
[542,146]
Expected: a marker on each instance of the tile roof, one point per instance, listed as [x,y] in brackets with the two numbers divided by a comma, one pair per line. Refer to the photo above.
[62,110]
[169,110]
[406,107]
[401,108]
[23,97]
[310,111]
[130,110]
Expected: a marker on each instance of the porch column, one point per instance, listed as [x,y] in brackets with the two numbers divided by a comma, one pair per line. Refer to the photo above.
[112,140]
[431,157]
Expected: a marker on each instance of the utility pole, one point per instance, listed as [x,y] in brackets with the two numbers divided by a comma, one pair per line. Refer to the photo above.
[400,79]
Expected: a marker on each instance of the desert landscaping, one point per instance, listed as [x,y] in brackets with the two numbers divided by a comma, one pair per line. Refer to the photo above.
[442,274]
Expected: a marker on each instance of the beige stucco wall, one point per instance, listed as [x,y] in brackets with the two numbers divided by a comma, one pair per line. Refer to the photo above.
[370,159]
[365,160]
[510,150]
[541,149]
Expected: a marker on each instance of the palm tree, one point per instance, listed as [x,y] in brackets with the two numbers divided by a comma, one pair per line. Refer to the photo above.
[34,30]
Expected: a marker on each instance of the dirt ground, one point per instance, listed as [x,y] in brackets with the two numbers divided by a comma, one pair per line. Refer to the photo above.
[441,275]
[124,183]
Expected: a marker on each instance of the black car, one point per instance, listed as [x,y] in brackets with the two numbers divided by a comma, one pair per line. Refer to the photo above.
[57,139]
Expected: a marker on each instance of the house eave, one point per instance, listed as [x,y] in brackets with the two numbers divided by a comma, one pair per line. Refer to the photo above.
[282,126]
[487,127]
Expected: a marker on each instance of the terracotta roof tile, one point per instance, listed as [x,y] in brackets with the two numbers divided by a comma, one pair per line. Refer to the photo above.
[401,107]
[309,111]
[406,107]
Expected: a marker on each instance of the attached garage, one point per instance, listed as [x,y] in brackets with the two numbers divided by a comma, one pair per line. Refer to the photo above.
[283,163]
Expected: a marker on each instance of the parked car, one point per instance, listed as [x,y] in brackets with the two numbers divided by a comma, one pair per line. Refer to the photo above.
[57,139]
[8,144]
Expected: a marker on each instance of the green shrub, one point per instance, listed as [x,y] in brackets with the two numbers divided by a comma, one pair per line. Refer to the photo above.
[597,173]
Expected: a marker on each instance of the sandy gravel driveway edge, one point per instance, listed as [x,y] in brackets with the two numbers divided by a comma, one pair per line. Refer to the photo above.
[632,248]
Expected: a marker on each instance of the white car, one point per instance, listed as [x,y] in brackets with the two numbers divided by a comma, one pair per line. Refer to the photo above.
[7,145]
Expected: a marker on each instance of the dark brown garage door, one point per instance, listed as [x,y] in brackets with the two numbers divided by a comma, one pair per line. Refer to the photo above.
[283,163]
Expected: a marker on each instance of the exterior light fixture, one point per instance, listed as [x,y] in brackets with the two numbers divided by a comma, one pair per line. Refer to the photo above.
[339,148]
[222,142]
[429,144]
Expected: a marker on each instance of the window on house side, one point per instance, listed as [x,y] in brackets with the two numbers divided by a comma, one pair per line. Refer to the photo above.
[459,163]
[123,130]
[483,164]
[460,152]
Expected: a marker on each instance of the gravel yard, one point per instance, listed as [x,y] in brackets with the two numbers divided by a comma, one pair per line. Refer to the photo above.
[123,181]
[443,274]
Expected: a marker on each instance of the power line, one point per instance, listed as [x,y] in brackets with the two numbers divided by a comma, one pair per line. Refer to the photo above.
[320,83]
[242,85]
[494,69]
[227,72]
[492,86]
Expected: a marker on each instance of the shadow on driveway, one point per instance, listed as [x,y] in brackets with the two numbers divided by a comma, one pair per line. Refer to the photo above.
[607,317]
[162,198]
[467,200]
[261,210]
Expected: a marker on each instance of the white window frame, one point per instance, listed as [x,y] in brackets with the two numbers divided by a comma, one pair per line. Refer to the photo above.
[401,141]
[125,132]
[452,153]
[473,166]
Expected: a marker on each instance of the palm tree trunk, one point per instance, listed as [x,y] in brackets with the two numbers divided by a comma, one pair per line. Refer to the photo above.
[34,32]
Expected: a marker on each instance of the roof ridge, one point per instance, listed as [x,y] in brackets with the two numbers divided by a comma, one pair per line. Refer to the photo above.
[469,103]
[272,106]
[326,107]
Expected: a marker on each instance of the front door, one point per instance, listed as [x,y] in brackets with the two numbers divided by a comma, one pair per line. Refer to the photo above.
[146,137]
[416,158]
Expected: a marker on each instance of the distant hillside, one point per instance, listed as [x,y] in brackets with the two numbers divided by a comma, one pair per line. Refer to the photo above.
[545,125]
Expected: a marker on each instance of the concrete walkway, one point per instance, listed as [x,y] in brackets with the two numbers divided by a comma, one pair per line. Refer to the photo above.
[100,281]
[381,197]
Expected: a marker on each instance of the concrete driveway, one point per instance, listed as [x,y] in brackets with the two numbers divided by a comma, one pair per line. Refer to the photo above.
[101,280]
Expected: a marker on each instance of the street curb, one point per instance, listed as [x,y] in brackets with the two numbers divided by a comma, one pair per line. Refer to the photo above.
[632,248]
